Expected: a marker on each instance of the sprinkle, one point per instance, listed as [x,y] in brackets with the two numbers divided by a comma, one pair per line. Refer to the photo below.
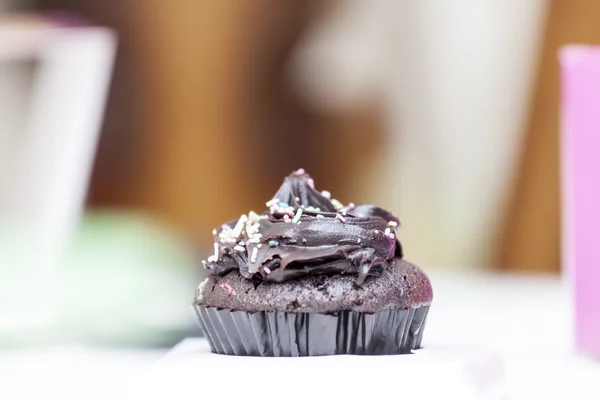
[392,236]
[273,243]
[320,216]
[254,216]
[259,245]
[214,232]
[299,222]
[326,194]
[239,248]
[339,216]
[267,270]
[227,288]
[254,254]
[301,171]
[252,229]
[212,259]
[203,263]
[387,232]
[336,204]
[349,206]
[237,231]
[286,219]
[272,202]
[216,250]
[297,198]
[393,223]
[311,183]
[297,216]
[241,243]
[358,241]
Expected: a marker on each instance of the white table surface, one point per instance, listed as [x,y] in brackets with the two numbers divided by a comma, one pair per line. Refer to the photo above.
[527,319]
[445,372]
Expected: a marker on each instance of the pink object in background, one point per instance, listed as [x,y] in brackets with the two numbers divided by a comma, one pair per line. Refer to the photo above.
[580,67]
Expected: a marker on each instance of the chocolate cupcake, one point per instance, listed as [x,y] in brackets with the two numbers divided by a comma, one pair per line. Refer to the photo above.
[311,276]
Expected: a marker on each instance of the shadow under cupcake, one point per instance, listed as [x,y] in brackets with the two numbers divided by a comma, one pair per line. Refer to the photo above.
[311,277]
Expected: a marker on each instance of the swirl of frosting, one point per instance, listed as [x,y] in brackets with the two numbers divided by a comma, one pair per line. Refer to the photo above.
[306,232]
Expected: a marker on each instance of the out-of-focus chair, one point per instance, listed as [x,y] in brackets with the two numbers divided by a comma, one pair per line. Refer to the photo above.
[56,75]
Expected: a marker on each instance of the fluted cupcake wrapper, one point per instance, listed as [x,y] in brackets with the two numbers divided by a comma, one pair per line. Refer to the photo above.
[287,334]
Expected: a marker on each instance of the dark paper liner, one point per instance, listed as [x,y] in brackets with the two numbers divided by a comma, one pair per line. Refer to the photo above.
[286,334]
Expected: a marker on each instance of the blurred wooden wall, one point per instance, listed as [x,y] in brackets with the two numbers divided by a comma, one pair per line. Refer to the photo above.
[532,231]
[195,167]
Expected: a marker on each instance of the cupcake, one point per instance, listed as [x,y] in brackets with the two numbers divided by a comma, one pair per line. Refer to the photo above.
[311,276]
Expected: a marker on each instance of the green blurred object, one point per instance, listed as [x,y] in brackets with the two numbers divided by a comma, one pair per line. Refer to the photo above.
[126,279]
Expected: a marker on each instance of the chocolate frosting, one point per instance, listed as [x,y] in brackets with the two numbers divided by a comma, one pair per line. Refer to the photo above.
[306,233]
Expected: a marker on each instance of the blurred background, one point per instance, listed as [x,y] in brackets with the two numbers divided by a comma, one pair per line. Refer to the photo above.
[445,113]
